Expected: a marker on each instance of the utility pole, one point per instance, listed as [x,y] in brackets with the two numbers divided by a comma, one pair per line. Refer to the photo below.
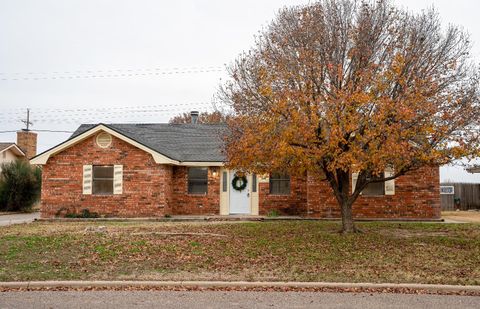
[27,122]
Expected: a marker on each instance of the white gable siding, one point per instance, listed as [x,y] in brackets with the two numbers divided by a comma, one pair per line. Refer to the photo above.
[9,157]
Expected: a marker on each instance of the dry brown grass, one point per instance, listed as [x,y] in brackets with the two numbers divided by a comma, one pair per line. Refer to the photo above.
[294,250]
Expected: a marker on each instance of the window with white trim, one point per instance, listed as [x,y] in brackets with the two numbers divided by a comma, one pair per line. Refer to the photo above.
[103,180]
[279,184]
[377,188]
[254,182]
[197,180]
[224,181]
[374,188]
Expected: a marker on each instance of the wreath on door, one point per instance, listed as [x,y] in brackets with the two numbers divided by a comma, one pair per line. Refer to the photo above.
[239,182]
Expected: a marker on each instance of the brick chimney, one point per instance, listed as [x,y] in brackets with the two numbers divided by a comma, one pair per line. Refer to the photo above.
[27,141]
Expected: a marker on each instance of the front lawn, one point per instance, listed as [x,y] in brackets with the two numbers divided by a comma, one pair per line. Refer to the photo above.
[293,250]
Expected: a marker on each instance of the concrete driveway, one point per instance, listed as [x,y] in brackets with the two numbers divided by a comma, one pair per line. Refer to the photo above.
[220,300]
[461,216]
[18,218]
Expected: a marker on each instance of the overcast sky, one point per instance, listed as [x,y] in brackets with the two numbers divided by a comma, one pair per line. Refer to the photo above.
[73,61]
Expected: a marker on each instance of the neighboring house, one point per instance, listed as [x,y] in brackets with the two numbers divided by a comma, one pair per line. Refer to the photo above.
[26,147]
[9,152]
[152,170]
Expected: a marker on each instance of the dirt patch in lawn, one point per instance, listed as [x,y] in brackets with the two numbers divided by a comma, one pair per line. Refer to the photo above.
[276,251]
[404,233]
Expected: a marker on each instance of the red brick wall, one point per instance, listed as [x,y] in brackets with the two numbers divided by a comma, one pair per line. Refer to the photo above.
[321,200]
[147,190]
[150,189]
[417,195]
[184,203]
[292,204]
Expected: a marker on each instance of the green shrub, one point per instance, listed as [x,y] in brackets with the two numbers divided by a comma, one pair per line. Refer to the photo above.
[273,213]
[85,213]
[20,185]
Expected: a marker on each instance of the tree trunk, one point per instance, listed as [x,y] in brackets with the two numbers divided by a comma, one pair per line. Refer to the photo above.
[348,225]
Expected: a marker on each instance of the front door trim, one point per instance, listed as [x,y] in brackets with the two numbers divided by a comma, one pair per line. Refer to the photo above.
[225,196]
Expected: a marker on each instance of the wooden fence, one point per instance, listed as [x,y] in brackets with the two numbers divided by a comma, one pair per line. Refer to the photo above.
[466,196]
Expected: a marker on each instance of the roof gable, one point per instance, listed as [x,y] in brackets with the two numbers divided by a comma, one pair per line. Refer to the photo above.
[168,143]
[12,147]
[181,142]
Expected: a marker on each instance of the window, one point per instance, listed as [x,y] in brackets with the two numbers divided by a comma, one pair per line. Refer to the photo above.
[279,184]
[4,154]
[104,140]
[254,182]
[225,182]
[198,180]
[374,188]
[103,180]
[377,188]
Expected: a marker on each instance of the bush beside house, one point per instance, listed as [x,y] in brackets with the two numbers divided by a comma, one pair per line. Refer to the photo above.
[20,185]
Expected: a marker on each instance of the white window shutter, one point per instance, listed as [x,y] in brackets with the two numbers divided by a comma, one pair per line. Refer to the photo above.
[354,181]
[389,184]
[117,179]
[87,179]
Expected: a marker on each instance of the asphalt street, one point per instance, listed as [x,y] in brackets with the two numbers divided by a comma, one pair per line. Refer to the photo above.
[211,299]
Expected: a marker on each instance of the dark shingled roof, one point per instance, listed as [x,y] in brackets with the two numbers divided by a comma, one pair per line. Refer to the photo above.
[180,142]
[5,145]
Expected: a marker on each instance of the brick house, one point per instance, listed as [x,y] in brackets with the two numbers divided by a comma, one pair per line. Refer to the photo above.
[10,152]
[153,170]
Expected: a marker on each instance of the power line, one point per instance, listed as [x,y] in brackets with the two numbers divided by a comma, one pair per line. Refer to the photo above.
[94,74]
[63,118]
[98,117]
[49,111]
[47,131]
[95,115]
[54,131]
[117,70]
[103,114]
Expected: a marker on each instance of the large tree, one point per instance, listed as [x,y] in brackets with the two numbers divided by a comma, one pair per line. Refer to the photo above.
[338,87]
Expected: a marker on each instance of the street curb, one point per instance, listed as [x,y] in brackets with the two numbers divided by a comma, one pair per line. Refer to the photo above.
[236,284]
[14,213]
[235,219]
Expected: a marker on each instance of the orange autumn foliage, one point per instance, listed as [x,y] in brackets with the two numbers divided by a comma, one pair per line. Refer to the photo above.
[215,117]
[343,86]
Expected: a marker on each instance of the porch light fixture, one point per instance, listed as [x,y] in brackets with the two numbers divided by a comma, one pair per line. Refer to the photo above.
[214,172]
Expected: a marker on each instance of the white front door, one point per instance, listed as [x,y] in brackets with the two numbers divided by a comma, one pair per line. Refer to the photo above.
[239,200]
